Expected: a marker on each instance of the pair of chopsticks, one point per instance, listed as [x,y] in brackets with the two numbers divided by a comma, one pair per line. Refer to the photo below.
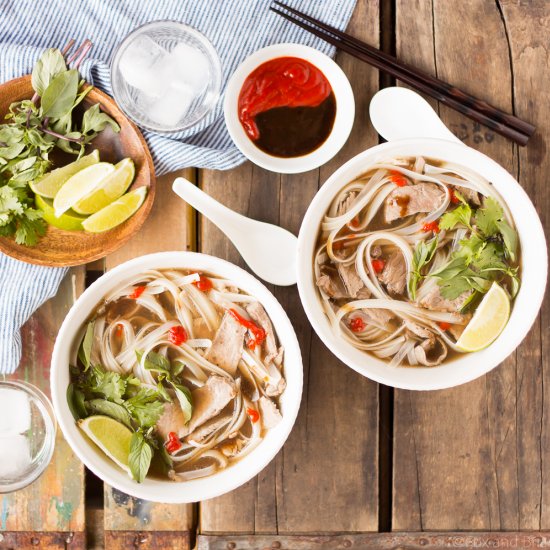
[501,122]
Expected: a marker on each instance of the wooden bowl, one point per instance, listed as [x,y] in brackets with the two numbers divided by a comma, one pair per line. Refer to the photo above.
[65,248]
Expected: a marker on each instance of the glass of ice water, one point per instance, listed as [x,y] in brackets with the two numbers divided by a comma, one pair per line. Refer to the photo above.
[166,76]
[27,434]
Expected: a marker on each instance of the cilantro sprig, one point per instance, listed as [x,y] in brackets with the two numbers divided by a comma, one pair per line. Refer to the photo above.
[487,255]
[34,128]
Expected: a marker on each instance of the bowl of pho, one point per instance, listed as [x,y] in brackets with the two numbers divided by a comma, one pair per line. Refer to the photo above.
[421,263]
[176,377]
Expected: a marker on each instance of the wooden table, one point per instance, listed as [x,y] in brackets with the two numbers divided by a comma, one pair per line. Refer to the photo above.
[366,465]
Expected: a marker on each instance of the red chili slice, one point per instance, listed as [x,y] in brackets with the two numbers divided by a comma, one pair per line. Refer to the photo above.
[253,414]
[177,335]
[378,265]
[173,444]
[444,326]
[204,284]
[431,226]
[398,178]
[138,291]
[357,324]
[454,198]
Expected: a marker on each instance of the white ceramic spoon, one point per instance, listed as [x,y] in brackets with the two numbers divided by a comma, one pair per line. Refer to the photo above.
[269,250]
[400,113]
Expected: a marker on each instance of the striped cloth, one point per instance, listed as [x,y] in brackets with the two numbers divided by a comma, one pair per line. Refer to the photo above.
[235,27]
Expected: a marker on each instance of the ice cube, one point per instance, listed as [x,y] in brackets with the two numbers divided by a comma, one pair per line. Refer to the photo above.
[141,65]
[173,107]
[15,456]
[15,412]
[190,68]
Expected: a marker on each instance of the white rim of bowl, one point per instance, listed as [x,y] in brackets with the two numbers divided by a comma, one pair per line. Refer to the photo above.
[162,490]
[214,59]
[525,308]
[343,122]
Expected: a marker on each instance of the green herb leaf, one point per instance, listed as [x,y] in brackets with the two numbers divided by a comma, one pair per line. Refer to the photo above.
[146,406]
[108,408]
[50,64]
[177,368]
[85,349]
[140,457]
[154,362]
[59,97]
[75,400]
[510,238]
[108,384]
[460,215]
[185,400]
[423,254]
[94,121]
[30,226]
[488,215]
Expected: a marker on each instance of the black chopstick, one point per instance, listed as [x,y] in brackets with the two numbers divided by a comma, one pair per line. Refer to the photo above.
[501,122]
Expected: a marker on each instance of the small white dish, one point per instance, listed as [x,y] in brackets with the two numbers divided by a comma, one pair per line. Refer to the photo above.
[158,490]
[343,122]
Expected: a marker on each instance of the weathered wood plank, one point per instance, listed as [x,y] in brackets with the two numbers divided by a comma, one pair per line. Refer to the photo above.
[54,502]
[470,457]
[169,227]
[325,478]
[381,541]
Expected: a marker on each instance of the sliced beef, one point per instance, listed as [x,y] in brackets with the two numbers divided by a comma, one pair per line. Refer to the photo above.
[227,345]
[209,400]
[431,353]
[172,420]
[469,195]
[201,329]
[394,274]
[435,302]
[274,391]
[260,317]
[352,282]
[209,427]
[412,199]
[346,204]
[330,283]
[269,413]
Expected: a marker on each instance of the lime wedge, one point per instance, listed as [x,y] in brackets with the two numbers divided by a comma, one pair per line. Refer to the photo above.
[80,185]
[111,188]
[488,321]
[70,221]
[116,213]
[112,437]
[51,183]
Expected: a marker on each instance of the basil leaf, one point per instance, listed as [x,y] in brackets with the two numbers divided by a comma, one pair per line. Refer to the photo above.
[85,350]
[75,400]
[108,408]
[162,391]
[185,400]
[509,237]
[423,255]
[154,362]
[139,459]
[60,95]
[95,121]
[50,64]
[177,368]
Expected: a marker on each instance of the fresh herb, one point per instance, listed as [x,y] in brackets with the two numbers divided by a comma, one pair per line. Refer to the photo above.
[154,362]
[85,349]
[140,456]
[75,400]
[461,215]
[108,408]
[423,254]
[491,222]
[33,128]
[110,385]
[185,400]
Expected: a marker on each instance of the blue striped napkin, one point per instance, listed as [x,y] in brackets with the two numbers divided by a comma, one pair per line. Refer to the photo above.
[235,27]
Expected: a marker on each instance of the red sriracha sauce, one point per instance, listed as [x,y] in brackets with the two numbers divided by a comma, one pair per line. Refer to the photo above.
[253,414]
[431,226]
[444,326]
[177,335]
[357,324]
[378,265]
[258,333]
[138,291]
[286,107]
[173,444]
[204,284]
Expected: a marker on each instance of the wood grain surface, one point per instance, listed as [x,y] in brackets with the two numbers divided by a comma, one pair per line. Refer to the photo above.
[326,477]
[55,502]
[473,457]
